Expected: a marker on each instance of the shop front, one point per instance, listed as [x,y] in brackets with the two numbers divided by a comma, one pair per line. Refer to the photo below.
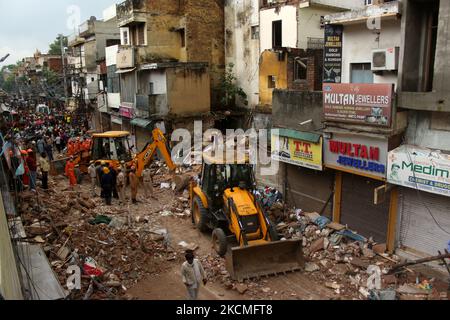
[306,185]
[126,111]
[360,164]
[424,198]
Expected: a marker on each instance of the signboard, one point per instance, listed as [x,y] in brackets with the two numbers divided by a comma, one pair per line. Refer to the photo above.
[357,154]
[297,152]
[359,103]
[420,168]
[332,60]
[126,112]
[125,58]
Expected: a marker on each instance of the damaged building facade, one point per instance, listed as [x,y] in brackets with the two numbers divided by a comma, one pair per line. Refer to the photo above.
[170,63]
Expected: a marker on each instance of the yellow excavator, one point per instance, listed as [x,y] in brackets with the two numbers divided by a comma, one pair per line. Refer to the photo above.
[113,147]
[225,202]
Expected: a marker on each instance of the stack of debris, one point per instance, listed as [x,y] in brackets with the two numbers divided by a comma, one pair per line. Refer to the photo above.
[113,249]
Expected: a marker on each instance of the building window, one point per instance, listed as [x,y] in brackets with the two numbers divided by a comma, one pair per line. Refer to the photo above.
[368,2]
[183,37]
[277,40]
[255,32]
[151,88]
[272,82]
[140,34]
[300,68]
[126,39]
[361,73]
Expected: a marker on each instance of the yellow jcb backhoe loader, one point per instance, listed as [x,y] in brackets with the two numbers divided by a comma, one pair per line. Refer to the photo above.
[113,148]
[225,202]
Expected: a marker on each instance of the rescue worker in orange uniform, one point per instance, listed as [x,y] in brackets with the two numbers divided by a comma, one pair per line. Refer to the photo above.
[70,148]
[70,172]
[77,146]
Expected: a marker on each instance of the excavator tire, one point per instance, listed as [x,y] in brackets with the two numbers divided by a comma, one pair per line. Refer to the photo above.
[220,242]
[200,215]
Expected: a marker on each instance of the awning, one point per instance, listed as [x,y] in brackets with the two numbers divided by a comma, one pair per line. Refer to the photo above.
[125,70]
[143,123]
[116,121]
[304,136]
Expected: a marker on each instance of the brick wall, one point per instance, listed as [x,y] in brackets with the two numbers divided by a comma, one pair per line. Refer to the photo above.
[314,62]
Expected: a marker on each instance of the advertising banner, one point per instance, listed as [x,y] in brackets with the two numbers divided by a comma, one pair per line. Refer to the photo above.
[420,168]
[359,103]
[356,154]
[297,152]
[332,60]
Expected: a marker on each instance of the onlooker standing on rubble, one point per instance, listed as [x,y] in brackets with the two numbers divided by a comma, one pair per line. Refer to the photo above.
[32,166]
[193,275]
[121,179]
[58,143]
[92,171]
[45,168]
[107,185]
[134,182]
[114,184]
[148,183]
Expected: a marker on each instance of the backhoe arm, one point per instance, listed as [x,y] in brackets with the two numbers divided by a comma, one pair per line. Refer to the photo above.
[159,143]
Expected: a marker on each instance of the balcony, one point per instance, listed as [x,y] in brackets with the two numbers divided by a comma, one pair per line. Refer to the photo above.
[87,28]
[388,10]
[75,40]
[131,11]
[335,4]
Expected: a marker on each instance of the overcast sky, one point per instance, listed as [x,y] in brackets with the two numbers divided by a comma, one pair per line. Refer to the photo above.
[27,25]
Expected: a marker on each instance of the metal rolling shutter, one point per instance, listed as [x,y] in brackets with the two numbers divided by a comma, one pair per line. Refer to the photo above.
[309,189]
[418,231]
[358,210]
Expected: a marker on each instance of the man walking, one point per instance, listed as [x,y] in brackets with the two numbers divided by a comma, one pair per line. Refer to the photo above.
[148,183]
[92,171]
[121,185]
[134,181]
[193,275]
[45,168]
[114,181]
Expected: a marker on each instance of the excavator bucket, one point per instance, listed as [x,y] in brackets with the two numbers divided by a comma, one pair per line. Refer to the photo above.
[267,259]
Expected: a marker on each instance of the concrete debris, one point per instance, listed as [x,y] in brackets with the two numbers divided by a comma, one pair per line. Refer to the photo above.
[311,267]
[241,288]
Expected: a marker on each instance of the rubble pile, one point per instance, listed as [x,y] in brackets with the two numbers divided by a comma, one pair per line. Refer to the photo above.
[347,262]
[114,246]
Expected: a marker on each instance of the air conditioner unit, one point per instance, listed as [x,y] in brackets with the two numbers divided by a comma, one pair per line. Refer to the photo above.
[385,59]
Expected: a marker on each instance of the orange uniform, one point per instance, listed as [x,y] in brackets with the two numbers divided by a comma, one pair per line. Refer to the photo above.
[70,173]
[70,149]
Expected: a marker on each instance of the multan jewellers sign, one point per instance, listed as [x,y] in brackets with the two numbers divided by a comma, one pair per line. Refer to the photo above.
[356,154]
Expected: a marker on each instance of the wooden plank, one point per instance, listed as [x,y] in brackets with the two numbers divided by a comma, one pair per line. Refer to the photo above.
[337,197]
[392,222]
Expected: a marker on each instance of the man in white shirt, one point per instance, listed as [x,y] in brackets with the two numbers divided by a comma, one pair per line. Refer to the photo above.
[93,175]
[193,275]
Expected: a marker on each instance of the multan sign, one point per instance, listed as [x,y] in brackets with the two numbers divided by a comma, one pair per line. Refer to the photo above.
[356,154]
[368,104]
[332,64]
[420,168]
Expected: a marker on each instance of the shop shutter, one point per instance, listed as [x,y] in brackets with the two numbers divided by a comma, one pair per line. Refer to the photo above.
[309,190]
[358,210]
[418,231]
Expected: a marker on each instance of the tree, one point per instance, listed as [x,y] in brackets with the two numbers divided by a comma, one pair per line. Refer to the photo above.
[229,91]
[55,47]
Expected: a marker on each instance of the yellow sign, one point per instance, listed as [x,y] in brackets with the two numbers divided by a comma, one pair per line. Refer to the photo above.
[297,152]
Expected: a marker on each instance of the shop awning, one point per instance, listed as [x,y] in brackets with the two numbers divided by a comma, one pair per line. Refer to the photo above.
[116,121]
[125,70]
[299,135]
[139,122]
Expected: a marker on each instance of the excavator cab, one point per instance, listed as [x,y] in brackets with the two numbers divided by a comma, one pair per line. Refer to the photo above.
[111,146]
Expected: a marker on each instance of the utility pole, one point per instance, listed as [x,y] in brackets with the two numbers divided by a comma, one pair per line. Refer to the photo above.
[63,56]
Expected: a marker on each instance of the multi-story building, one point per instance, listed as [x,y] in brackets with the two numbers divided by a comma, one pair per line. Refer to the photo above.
[86,51]
[170,62]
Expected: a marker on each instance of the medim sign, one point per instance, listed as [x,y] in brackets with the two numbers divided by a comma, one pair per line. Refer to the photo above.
[420,168]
